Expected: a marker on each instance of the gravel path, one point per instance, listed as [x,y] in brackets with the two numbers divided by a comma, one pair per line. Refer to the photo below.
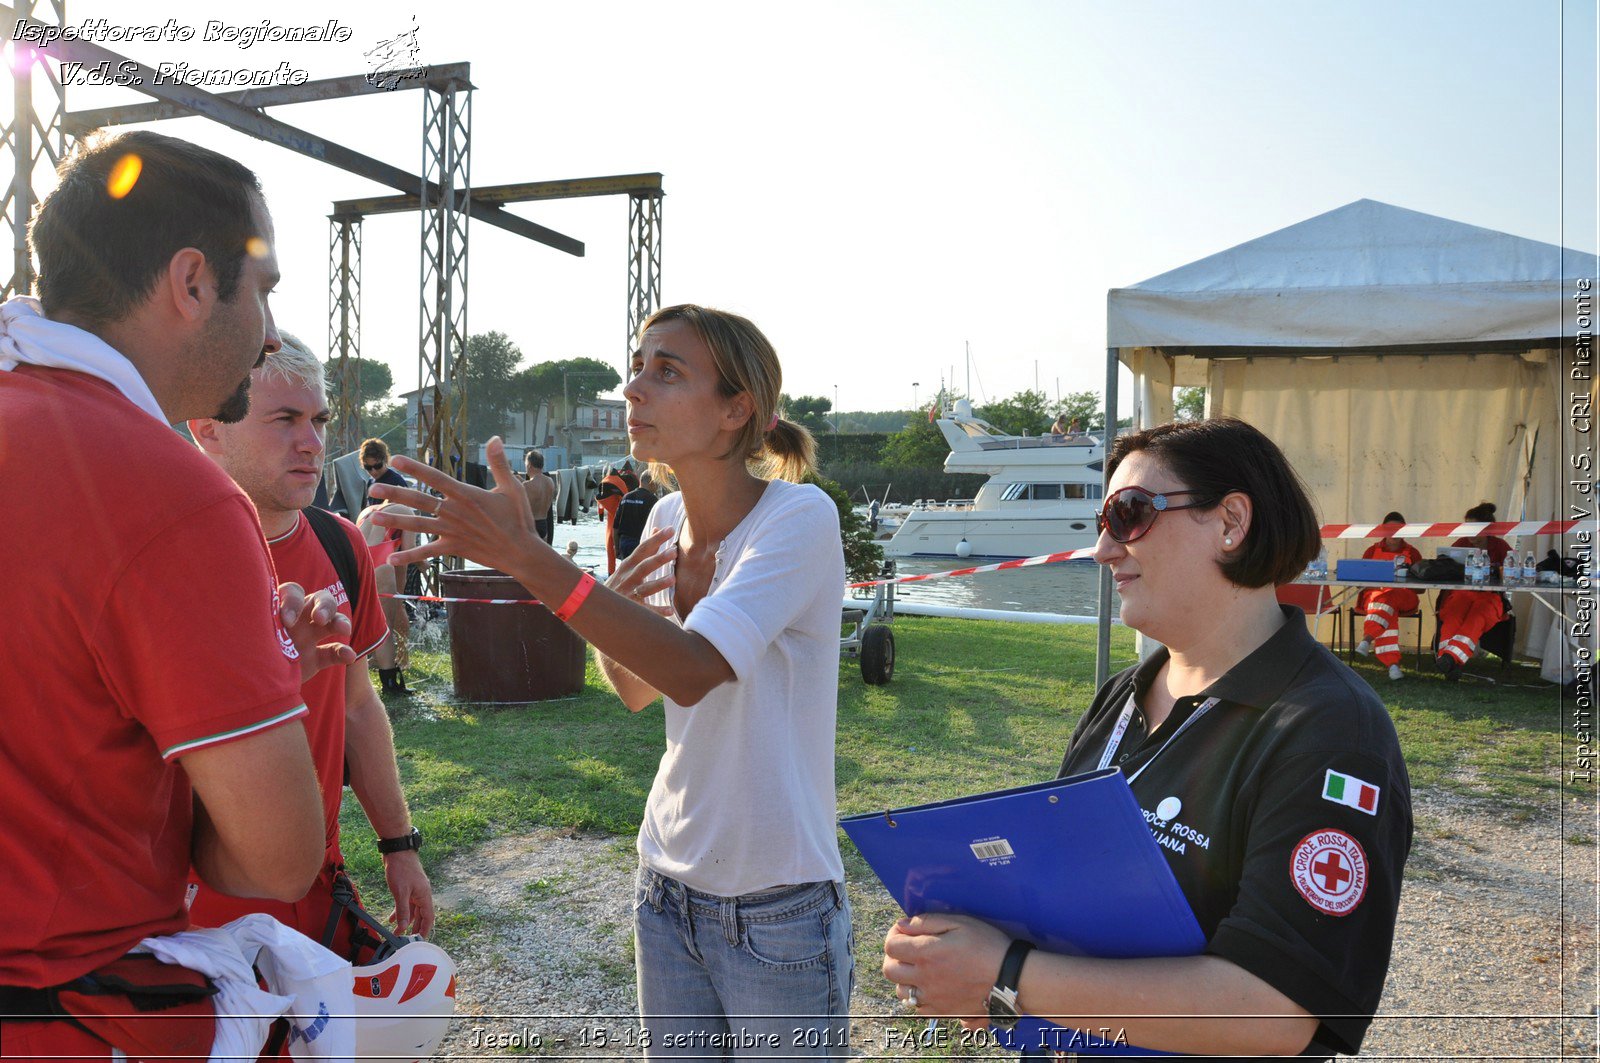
[1497,922]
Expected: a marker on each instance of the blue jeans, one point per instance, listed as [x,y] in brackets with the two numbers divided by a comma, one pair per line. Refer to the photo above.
[762,976]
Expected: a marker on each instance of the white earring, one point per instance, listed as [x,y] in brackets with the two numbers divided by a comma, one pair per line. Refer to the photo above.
[1227,541]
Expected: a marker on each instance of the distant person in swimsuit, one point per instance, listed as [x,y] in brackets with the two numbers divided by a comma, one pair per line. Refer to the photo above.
[617,483]
[393,656]
[541,489]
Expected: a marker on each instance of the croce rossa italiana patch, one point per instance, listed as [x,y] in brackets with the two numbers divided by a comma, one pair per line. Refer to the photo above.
[1329,869]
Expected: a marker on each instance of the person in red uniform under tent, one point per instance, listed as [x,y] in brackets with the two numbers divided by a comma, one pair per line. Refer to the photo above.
[1465,616]
[275,455]
[150,705]
[1380,633]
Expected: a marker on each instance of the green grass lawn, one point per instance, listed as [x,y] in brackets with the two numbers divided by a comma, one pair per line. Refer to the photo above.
[974,705]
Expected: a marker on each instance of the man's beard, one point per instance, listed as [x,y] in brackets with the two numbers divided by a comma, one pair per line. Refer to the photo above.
[236,406]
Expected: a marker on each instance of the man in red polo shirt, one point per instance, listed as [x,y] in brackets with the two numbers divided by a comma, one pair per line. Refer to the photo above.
[150,699]
[275,455]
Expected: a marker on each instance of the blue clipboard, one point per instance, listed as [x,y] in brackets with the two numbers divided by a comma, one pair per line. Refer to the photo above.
[1067,864]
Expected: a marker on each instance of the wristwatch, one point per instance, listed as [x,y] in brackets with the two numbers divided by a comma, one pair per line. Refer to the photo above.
[1003,1011]
[408,843]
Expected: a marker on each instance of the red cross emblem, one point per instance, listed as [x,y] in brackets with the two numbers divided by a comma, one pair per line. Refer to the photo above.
[1329,869]
[1330,872]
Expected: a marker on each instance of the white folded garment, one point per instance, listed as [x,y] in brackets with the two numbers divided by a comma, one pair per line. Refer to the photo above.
[307,983]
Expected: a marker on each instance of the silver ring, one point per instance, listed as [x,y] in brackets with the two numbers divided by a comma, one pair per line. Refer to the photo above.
[911,997]
[438,507]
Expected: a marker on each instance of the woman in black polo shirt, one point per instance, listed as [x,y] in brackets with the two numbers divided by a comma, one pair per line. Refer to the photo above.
[1269,771]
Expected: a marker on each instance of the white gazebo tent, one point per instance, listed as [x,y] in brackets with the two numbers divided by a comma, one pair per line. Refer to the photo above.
[1402,361]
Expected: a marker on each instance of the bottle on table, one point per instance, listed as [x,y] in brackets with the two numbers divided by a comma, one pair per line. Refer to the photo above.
[1402,571]
[1530,570]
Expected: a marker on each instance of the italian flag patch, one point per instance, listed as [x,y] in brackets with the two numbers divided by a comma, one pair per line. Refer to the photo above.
[1348,790]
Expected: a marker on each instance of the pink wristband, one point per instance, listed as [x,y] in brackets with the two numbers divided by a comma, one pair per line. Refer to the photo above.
[575,600]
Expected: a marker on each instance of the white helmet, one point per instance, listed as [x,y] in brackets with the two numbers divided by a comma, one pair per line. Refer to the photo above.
[403,1003]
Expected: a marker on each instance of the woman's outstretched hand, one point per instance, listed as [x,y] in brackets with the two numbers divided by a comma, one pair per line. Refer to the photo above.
[632,577]
[493,528]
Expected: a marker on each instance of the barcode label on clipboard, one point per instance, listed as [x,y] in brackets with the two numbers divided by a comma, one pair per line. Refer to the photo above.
[997,849]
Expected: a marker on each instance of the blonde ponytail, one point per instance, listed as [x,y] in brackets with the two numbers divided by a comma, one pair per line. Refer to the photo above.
[788,451]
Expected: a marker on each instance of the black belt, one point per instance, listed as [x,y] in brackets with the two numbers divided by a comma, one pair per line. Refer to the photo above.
[27,1004]
[20,1004]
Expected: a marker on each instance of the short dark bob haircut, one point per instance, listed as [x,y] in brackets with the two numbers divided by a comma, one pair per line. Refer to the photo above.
[101,254]
[1222,455]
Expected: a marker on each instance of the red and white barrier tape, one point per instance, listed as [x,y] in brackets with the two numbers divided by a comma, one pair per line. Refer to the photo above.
[1440,531]
[1021,562]
[1328,531]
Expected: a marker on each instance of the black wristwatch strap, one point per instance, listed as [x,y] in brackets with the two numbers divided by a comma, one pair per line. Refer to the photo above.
[404,844]
[1004,1010]
[1011,966]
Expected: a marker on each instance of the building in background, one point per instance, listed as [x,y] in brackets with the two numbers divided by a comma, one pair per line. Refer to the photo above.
[598,431]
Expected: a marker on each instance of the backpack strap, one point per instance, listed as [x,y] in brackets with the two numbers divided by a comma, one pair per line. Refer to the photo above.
[368,937]
[336,544]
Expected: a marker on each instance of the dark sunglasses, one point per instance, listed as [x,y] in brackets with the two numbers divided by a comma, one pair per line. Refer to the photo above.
[371,468]
[1129,512]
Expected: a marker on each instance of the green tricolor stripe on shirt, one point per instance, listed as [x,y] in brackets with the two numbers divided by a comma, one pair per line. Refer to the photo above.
[223,736]
[1348,790]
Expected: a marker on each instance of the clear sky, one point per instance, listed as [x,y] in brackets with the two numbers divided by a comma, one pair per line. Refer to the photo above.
[878,183]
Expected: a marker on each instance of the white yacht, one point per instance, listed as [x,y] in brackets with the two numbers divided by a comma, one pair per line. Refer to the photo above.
[1041,496]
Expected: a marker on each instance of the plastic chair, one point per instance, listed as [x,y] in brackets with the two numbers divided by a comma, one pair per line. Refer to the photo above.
[1316,601]
[1357,614]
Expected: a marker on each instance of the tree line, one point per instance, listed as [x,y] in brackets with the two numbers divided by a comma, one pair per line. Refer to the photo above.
[901,451]
[498,387]
[901,455]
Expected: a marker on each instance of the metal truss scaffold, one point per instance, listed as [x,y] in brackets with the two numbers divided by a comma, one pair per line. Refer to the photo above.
[644,264]
[446,194]
[34,136]
[442,333]
[344,326]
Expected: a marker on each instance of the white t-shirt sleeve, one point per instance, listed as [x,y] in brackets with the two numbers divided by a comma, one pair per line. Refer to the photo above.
[790,558]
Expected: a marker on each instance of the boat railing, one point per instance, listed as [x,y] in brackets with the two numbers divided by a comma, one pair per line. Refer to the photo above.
[924,504]
[1038,442]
